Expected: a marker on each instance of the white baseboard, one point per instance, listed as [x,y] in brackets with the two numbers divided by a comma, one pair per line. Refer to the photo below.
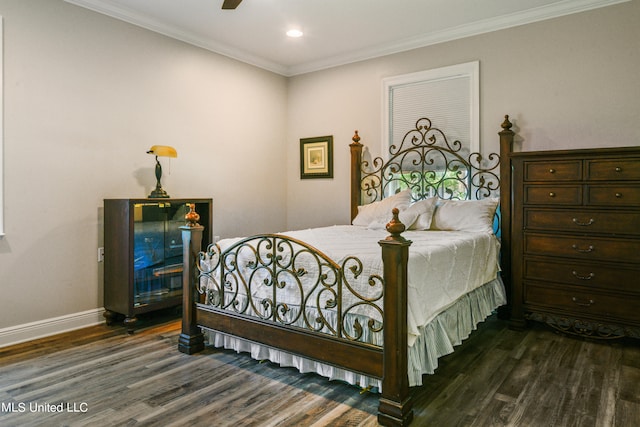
[47,327]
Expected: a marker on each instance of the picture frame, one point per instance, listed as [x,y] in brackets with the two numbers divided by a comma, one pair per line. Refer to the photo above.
[316,157]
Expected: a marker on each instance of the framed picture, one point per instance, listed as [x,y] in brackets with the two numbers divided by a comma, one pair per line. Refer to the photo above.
[316,157]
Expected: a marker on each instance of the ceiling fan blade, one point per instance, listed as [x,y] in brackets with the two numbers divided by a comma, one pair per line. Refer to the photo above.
[230,4]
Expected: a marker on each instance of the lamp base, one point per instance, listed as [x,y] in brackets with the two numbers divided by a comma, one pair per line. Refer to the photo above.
[158,193]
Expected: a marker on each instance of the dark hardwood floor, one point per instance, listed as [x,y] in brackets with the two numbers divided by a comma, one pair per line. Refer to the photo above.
[100,376]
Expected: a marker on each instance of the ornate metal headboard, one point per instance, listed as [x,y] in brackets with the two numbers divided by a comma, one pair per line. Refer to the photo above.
[426,162]
[480,177]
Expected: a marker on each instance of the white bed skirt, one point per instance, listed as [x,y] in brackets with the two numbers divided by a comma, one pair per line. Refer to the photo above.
[436,339]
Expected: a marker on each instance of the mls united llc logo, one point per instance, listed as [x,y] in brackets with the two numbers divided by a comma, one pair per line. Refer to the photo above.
[21,407]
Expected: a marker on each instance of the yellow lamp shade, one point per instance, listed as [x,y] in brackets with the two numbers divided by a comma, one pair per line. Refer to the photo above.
[163,151]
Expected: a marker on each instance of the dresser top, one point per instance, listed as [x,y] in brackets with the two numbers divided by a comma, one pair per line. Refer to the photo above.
[581,153]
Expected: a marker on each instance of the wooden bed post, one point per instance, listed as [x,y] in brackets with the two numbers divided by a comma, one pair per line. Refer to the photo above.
[191,339]
[506,147]
[396,402]
[356,159]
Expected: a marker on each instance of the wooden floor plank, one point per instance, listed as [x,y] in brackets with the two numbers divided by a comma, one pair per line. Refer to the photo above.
[498,377]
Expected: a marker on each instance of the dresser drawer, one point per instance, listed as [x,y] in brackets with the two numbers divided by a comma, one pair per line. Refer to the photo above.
[583,302]
[613,195]
[554,170]
[586,248]
[583,221]
[613,169]
[553,194]
[590,275]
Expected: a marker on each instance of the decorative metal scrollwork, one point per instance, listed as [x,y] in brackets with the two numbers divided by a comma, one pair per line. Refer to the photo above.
[426,162]
[282,280]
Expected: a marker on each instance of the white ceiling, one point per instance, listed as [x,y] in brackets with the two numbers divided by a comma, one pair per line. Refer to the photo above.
[336,32]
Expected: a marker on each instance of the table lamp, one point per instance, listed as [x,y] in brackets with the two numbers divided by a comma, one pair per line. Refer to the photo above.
[160,151]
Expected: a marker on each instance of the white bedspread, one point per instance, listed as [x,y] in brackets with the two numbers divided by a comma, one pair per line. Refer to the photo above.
[443,265]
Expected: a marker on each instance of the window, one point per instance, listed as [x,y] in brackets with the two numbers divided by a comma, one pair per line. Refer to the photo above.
[448,96]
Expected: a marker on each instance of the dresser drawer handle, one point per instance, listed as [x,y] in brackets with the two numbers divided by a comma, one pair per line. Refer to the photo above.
[618,169]
[552,194]
[581,303]
[577,276]
[552,170]
[577,249]
[583,224]
[619,195]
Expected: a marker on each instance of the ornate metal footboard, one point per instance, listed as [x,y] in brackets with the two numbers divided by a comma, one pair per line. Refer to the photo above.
[283,293]
[285,281]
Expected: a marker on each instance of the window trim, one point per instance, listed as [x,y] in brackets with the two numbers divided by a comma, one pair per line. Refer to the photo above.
[468,69]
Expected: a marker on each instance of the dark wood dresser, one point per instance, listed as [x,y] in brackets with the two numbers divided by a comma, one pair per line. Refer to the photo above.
[576,240]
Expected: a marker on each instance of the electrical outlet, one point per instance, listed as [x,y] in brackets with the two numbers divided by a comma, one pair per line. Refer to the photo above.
[100,254]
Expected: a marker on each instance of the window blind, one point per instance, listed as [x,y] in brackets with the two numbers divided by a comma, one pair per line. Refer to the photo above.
[448,96]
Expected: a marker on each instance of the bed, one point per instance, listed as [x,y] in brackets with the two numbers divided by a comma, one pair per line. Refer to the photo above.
[376,302]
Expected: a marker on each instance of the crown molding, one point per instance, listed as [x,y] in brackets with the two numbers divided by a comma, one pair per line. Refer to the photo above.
[530,16]
[176,33]
[540,13]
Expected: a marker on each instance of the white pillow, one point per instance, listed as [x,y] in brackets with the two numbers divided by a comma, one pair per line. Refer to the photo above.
[380,212]
[416,217]
[465,215]
[426,209]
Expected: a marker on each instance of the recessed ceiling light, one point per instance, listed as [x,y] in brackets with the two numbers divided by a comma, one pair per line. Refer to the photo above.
[294,33]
